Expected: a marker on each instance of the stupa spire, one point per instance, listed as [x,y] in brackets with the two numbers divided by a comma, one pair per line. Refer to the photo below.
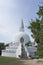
[22,26]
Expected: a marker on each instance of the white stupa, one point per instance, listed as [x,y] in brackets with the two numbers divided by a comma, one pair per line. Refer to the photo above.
[21,33]
[14,49]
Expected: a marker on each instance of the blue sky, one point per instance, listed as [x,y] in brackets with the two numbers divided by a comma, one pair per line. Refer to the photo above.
[11,13]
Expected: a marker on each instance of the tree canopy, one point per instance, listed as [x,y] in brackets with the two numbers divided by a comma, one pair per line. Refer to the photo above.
[36,27]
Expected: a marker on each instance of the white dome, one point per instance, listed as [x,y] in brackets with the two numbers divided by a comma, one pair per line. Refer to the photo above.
[21,34]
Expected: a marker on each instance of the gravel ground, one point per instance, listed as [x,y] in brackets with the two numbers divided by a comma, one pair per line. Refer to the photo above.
[33,62]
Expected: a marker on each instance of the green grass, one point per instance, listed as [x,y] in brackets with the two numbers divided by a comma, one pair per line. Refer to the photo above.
[10,61]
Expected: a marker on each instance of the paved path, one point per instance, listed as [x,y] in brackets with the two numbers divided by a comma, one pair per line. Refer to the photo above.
[33,62]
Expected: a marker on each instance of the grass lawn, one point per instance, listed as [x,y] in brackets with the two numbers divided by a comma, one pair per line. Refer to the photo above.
[10,61]
[15,61]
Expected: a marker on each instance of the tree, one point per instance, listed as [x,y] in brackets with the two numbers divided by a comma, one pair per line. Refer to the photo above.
[40,12]
[2,46]
[37,30]
[37,27]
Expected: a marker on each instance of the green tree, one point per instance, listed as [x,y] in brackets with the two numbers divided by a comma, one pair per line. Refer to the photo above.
[37,27]
[2,46]
[37,30]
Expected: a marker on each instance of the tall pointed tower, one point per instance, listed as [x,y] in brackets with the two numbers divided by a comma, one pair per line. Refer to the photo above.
[22,26]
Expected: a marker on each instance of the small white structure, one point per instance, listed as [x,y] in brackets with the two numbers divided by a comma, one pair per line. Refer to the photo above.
[14,49]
